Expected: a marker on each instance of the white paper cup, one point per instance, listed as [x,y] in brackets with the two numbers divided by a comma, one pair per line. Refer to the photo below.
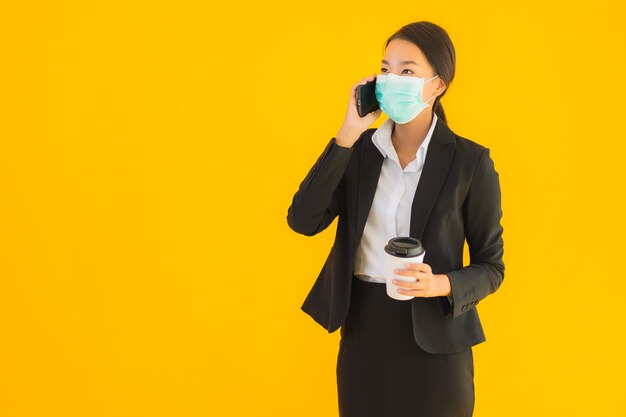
[398,252]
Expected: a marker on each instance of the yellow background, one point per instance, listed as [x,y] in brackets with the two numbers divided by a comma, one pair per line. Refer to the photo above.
[149,153]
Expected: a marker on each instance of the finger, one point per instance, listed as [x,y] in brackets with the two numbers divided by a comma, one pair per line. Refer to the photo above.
[416,270]
[417,285]
[416,292]
[419,267]
[366,80]
[405,272]
[402,283]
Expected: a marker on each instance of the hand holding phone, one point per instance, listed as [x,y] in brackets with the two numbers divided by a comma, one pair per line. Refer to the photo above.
[354,124]
[366,101]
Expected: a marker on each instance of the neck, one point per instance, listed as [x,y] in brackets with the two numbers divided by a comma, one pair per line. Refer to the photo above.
[408,137]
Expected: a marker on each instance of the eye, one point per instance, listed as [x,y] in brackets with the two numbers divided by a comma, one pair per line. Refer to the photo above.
[385,70]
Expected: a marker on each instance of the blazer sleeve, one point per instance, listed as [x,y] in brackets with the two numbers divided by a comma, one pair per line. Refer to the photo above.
[482,213]
[316,203]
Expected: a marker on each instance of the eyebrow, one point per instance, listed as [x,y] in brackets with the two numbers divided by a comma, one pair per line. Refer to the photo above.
[401,62]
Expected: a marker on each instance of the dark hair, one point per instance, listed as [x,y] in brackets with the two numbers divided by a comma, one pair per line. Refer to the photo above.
[438,49]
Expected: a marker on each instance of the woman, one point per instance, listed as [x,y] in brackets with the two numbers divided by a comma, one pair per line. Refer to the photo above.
[412,176]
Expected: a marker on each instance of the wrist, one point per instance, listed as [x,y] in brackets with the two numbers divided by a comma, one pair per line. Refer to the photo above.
[446,288]
[347,136]
[340,141]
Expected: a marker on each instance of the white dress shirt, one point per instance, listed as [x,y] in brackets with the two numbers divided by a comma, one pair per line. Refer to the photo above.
[390,214]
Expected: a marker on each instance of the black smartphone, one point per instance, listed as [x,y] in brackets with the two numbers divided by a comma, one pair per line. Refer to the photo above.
[366,101]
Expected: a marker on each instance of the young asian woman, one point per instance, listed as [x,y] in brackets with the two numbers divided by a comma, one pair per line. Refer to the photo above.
[412,176]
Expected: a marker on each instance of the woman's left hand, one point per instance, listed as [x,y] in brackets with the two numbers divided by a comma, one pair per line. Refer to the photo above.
[427,284]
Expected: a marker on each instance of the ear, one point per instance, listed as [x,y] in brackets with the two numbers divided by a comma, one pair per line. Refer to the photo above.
[441,86]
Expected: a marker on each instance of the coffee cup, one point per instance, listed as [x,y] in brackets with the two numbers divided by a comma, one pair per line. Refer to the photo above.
[398,252]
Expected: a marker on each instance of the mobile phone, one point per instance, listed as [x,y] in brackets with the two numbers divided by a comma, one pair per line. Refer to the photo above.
[366,101]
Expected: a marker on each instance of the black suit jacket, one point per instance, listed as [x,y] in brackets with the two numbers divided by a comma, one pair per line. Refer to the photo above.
[457,198]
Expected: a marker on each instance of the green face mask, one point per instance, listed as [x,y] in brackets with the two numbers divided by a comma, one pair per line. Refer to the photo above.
[401,97]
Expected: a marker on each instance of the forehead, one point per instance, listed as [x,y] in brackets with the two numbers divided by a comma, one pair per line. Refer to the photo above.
[403,52]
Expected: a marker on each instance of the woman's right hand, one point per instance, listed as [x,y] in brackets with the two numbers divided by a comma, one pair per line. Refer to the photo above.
[353,124]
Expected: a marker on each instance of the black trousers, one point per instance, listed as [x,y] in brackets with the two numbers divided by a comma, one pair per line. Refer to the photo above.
[382,371]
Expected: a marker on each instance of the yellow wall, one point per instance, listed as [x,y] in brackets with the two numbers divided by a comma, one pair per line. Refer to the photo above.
[149,153]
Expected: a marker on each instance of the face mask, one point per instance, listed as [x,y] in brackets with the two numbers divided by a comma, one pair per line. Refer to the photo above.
[401,97]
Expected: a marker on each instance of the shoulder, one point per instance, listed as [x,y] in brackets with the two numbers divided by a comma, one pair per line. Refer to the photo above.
[472,153]
[468,147]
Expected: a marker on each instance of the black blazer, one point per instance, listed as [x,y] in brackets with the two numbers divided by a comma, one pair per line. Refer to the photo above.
[457,198]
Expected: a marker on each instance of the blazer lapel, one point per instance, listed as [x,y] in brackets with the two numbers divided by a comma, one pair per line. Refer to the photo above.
[370,165]
[436,166]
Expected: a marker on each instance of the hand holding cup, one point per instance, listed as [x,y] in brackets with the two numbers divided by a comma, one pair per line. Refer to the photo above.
[418,280]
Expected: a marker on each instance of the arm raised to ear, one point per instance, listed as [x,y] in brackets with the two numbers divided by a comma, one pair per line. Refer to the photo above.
[316,203]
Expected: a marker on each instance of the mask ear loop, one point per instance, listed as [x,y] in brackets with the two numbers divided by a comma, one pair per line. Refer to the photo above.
[433,94]
[430,98]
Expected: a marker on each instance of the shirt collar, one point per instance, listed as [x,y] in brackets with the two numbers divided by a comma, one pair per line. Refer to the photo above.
[382,140]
